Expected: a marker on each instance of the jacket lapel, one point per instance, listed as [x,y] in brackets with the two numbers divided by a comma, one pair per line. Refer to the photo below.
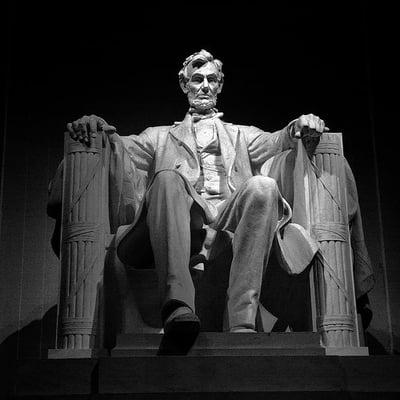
[184,136]
[227,134]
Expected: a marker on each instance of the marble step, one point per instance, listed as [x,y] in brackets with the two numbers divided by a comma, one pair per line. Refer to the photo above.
[223,344]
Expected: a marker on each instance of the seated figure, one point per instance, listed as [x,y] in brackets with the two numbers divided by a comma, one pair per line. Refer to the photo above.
[174,180]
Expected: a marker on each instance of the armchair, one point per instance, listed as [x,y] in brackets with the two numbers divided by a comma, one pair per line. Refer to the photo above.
[100,297]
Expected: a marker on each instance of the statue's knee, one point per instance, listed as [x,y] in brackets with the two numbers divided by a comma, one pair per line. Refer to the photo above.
[263,189]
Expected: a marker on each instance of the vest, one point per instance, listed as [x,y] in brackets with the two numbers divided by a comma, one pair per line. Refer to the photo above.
[212,185]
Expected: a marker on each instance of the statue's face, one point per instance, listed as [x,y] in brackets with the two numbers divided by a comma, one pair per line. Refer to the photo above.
[203,88]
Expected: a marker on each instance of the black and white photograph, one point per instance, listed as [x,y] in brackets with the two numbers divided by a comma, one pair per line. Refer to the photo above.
[198,200]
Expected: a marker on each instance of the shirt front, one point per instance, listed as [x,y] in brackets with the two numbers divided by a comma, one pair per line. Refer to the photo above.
[212,185]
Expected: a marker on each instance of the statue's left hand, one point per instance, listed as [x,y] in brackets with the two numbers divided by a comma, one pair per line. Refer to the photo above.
[309,125]
[85,128]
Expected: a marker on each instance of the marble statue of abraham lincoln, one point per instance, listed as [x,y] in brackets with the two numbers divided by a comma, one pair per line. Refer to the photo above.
[173,180]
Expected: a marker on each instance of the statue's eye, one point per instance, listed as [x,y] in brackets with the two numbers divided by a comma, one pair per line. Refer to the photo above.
[197,79]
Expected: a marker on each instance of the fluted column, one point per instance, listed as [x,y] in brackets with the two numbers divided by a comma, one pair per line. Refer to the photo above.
[82,245]
[333,269]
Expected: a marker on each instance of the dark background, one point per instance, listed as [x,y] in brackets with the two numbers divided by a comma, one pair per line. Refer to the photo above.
[330,58]
[63,60]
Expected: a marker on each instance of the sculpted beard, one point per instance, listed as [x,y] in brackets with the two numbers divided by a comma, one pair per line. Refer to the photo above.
[202,104]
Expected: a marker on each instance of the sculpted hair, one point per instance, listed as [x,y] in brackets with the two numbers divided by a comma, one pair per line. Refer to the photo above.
[196,61]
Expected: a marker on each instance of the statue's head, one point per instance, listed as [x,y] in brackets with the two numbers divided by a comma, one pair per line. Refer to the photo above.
[201,79]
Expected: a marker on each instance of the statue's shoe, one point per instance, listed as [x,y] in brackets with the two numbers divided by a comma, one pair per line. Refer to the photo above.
[181,329]
[182,321]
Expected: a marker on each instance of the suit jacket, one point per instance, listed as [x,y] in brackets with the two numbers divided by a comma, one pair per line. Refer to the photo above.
[136,159]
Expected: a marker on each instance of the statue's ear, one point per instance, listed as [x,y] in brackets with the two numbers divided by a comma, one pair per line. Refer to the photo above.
[183,86]
[221,84]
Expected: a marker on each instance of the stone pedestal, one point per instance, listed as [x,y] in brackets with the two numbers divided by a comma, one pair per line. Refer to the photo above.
[211,377]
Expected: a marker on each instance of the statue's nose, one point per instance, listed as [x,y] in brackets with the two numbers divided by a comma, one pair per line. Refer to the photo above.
[205,87]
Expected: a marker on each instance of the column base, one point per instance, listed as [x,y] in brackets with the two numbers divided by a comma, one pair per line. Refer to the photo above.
[76,353]
[346,351]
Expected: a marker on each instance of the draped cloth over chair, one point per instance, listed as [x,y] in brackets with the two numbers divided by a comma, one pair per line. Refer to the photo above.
[324,197]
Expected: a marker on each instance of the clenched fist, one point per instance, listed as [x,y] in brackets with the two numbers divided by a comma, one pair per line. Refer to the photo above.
[84,129]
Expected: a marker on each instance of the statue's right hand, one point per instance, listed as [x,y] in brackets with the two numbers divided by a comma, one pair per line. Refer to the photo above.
[84,129]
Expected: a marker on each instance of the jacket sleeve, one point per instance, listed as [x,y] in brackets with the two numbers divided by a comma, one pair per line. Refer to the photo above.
[264,145]
[140,148]
[131,160]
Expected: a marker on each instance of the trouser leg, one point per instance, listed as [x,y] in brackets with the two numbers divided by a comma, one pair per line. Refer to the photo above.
[252,215]
[168,218]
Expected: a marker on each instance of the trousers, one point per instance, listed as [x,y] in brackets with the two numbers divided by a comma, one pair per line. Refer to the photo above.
[251,214]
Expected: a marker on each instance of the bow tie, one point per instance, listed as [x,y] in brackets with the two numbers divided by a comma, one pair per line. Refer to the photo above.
[197,117]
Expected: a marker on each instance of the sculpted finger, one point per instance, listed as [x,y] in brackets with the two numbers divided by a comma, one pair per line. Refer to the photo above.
[71,131]
[84,133]
[109,129]
[317,125]
[302,121]
[75,126]
[100,123]
[298,126]
[311,122]
[321,125]
[77,129]
[92,126]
